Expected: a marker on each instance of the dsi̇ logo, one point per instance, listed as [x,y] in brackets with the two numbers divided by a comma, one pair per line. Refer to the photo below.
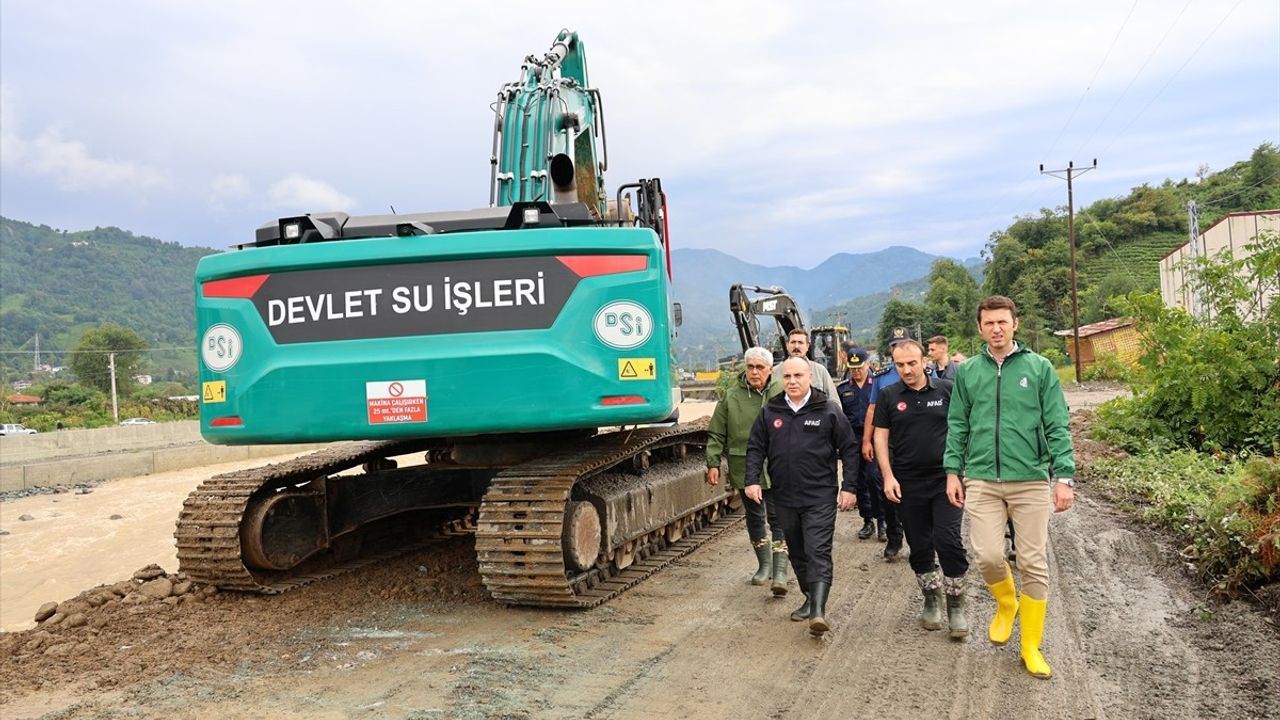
[623,324]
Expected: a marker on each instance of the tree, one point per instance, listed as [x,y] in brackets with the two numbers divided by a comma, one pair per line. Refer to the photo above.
[899,313]
[1213,382]
[91,357]
[951,303]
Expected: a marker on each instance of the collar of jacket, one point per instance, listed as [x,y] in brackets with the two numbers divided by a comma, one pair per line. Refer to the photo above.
[817,399]
[1018,348]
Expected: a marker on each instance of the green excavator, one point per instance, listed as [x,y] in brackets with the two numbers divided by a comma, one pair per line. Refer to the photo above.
[506,370]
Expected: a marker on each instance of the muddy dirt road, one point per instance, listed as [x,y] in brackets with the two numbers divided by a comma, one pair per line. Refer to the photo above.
[416,637]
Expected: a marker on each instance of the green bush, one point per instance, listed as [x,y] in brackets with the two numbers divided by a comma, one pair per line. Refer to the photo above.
[1226,512]
[1210,383]
[1108,366]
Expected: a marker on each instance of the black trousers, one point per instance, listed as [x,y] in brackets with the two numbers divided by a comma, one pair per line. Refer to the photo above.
[933,530]
[762,519]
[809,532]
[872,504]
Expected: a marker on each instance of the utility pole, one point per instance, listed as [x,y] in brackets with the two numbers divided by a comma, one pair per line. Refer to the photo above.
[115,407]
[1193,230]
[35,366]
[1071,172]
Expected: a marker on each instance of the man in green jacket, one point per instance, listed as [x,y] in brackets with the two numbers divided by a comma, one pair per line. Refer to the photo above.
[727,437]
[1008,436]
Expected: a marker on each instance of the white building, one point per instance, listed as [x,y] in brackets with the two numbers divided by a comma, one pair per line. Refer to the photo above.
[1231,234]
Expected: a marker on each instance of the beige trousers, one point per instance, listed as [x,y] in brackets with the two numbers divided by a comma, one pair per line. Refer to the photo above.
[1029,505]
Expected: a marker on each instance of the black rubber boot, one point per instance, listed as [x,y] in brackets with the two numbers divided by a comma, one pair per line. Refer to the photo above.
[804,611]
[780,564]
[881,531]
[817,618]
[892,549]
[764,555]
[868,529]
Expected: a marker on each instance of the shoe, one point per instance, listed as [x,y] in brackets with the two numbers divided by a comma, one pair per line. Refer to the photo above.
[881,531]
[1031,616]
[764,555]
[780,564]
[892,549]
[868,529]
[818,596]
[931,588]
[804,611]
[956,621]
[1006,595]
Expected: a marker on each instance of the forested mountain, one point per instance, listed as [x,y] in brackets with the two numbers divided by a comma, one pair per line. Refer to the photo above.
[56,284]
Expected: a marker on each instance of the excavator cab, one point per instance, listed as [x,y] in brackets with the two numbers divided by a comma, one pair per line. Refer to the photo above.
[828,347]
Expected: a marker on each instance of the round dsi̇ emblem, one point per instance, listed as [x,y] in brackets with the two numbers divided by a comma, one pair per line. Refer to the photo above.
[623,324]
[220,347]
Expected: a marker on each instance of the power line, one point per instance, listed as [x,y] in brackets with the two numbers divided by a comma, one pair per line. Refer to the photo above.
[1093,79]
[1169,82]
[1135,77]
[47,351]
[1241,191]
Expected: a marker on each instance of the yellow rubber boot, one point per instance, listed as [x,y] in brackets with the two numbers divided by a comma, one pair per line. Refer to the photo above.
[1032,616]
[1006,596]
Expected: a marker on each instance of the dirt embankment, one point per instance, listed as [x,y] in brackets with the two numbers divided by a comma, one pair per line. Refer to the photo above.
[1128,637]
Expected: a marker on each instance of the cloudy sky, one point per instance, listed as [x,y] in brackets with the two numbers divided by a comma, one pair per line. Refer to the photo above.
[783,132]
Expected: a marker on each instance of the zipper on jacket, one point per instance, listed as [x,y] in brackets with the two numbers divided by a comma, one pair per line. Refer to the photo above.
[999,367]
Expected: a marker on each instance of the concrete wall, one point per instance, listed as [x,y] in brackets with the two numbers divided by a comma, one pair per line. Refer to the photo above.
[76,456]
[1231,234]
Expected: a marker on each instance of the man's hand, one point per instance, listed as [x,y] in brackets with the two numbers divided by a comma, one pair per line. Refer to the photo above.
[848,501]
[755,493]
[868,453]
[713,476]
[892,490]
[1063,497]
[955,490]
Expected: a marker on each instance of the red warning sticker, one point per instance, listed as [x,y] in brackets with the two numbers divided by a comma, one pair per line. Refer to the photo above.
[396,401]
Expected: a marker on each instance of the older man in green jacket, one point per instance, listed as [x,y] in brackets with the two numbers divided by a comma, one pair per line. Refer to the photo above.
[727,439]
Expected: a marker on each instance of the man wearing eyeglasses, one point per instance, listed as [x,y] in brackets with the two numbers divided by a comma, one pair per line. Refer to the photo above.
[727,439]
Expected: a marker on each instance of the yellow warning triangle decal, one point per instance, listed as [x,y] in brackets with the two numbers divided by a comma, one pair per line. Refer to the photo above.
[628,371]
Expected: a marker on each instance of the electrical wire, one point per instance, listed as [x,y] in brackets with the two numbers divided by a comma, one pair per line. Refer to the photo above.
[1169,82]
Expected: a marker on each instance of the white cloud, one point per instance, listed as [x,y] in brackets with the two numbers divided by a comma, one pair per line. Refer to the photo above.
[225,190]
[297,192]
[67,162]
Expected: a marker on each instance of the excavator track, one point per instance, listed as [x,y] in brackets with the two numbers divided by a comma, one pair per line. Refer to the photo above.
[522,522]
[519,529]
[208,529]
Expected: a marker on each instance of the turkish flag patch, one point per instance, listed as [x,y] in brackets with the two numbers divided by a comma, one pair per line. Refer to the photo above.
[902,407]
[777,422]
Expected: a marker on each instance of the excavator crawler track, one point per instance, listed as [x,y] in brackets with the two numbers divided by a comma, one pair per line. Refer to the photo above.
[521,521]
[208,530]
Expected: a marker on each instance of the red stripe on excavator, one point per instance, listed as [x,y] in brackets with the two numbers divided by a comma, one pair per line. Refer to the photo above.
[241,287]
[608,400]
[230,421]
[589,265]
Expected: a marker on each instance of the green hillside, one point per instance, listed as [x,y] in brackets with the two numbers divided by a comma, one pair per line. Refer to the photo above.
[56,284]
[1119,242]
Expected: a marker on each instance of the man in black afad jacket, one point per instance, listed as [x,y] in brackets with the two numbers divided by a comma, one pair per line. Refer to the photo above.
[802,434]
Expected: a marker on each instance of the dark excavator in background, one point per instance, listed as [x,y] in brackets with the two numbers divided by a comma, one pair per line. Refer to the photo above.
[748,303]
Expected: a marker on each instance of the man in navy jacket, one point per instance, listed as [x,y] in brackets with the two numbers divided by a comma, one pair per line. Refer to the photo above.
[802,434]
